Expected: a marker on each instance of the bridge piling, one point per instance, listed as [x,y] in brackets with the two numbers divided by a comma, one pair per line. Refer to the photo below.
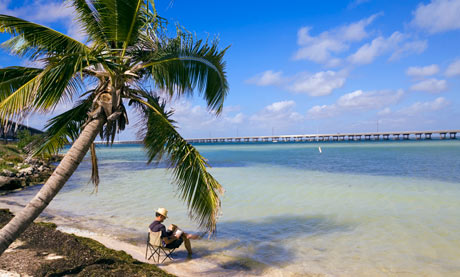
[406,135]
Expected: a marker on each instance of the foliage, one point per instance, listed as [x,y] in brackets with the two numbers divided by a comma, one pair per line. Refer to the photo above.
[128,58]
[9,156]
[81,256]
[25,139]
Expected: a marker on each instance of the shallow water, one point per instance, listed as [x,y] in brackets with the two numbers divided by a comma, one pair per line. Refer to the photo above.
[357,209]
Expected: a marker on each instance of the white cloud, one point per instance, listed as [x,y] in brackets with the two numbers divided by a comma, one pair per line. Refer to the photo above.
[422,107]
[369,51]
[322,111]
[453,69]
[384,111]
[280,106]
[422,71]
[42,11]
[267,78]
[357,3]
[320,49]
[369,100]
[355,101]
[430,85]
[408,48]
[195,120]
[437,16]
[399,44]
[318,84]
[277,113]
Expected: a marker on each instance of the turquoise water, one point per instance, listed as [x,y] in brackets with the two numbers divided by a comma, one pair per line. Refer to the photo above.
[356,209]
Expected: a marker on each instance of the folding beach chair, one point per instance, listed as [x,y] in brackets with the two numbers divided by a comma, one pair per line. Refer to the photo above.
[156,247]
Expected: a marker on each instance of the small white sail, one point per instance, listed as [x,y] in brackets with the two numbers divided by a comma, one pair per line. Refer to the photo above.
[319,149]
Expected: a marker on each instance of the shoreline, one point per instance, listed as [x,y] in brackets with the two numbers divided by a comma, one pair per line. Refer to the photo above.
[43,250]
[200,265]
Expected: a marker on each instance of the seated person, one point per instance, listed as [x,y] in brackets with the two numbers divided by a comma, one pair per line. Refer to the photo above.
[174,237]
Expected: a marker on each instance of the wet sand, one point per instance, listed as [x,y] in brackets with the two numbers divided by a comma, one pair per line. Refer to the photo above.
[202,262]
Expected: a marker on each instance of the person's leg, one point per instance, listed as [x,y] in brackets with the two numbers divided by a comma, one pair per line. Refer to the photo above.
[187,243]
[191,236]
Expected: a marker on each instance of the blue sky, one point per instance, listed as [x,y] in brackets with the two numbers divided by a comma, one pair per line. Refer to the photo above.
[300,67]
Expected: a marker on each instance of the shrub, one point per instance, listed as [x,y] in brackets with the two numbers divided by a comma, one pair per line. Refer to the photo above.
[25,138]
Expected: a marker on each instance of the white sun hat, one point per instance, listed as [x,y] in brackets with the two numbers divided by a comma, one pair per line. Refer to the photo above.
[163,212]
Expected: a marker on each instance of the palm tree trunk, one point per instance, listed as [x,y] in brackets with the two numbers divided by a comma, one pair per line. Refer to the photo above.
[52,186]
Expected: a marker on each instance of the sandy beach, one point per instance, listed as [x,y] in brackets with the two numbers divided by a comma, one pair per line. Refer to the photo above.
[202,264]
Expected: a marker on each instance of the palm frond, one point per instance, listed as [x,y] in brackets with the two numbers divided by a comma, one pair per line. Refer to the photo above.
[119,20]
[34,40]
[13,77]
[60,81]
[197,187]
[55,84]
[89,19]
[64,128]
[16,104]
[94,167]
[136,23]
[182,65]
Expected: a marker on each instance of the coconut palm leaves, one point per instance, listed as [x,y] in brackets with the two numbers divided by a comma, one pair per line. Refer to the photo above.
[34,40]
[127,50]
[196,186]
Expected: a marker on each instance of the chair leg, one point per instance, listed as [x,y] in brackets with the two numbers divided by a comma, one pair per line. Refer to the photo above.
[154,251]
[167,254]
[148,244]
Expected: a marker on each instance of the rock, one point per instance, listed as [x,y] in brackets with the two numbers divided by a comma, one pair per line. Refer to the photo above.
[7,173]
[32,161]
[41,168]
[4,180]
[8,183]
[27,171]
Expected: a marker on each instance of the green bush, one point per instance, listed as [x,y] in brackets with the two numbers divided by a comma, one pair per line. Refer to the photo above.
[25,138]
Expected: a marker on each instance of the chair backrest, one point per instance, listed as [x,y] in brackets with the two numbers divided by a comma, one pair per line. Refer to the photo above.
[155,238]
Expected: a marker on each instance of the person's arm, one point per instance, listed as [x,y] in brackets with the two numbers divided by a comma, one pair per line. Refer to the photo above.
[170,239]
[166,236]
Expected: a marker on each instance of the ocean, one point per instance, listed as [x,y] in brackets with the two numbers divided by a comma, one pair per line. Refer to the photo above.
[388,208]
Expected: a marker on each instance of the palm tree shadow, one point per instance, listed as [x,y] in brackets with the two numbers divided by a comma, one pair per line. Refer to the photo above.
[253,246]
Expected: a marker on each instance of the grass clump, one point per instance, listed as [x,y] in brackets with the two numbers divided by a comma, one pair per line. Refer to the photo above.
[80,256]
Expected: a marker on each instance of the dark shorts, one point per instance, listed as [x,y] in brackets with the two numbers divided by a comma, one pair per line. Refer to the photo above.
[175,244]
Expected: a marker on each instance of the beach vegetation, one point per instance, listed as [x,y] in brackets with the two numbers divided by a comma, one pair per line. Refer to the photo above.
[25,138]
[129,60]
[78,256]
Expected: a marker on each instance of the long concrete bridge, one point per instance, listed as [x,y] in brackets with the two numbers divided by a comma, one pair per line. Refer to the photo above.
[403,135]
[10,132]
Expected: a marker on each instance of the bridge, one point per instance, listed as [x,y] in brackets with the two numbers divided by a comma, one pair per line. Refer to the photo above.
[11,131]
[402,135]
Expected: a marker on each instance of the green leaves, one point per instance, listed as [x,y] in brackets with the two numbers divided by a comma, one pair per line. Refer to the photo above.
[39,89]
[115,23]
[16,91]
[34,40]
[197,187]
[182,65]
[64,128]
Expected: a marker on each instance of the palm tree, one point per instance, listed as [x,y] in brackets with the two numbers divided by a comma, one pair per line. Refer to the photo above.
[127,52]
